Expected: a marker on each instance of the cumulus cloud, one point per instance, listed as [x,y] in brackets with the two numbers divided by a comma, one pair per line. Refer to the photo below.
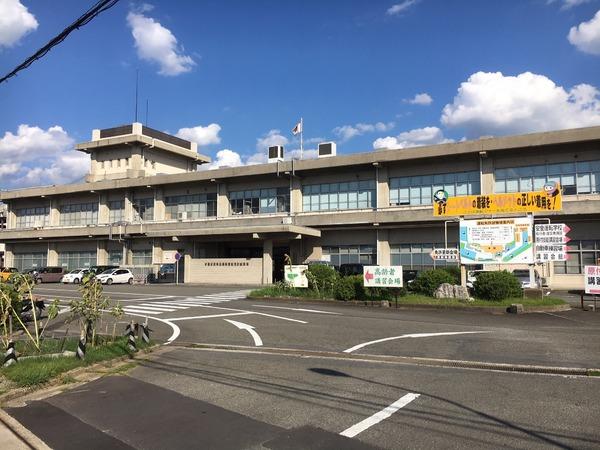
[347,132]
[492,103]
[157,44]
[399,8]
[273,137]
[420,99]
[15,22]
[39,157]
[230,158]
[201,135]
[586,36]
[224,158]
[413,138]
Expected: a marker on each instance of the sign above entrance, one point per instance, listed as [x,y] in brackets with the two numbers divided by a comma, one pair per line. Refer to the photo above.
[295,276]
[382,276]
[592,279]
[548,199]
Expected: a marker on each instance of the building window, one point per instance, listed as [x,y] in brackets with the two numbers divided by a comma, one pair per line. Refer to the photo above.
[580,177]
[115,257]
[33,217]
[144,208]
[79,214]
[346,254]
[116,211]
[260,201]
[339,196]
[419,190]
[26,261]
[141,257]
[76,260]
[192,206]
[580,254]
[417,256]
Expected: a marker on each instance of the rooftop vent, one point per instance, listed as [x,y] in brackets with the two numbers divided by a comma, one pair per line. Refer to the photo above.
[275,153]
[327,149]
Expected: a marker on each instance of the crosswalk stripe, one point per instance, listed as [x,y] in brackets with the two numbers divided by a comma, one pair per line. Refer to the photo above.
[141,311]
[161,305]
[153,308]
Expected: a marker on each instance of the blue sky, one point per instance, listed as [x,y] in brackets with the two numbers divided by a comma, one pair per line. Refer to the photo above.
[237,75]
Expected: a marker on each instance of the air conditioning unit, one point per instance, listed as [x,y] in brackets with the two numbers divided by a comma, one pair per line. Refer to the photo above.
[182,215]
[275,153]
[327,149]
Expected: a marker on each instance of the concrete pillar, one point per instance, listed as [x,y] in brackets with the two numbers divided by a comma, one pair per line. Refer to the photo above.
[128,213]
[103,211]
[54,219]
[296,196]
[101,253]
[52,257]
[159,204]
[383,248]
[487,174]
[11,218]
[9,256]
[223,207]
[267,266]
[127,254]
[157,251]
[296,251]
[383,187]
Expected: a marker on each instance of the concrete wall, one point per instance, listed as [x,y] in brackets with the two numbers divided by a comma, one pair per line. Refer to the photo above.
[224,270]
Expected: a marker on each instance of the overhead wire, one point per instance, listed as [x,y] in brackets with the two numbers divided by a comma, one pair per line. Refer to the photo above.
[84,19]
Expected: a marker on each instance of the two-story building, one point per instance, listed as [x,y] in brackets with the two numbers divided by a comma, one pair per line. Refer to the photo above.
[144,198]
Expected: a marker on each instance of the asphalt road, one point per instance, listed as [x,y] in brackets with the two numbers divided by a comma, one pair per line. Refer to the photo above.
[295,400]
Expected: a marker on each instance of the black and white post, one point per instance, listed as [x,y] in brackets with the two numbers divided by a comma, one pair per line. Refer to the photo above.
[145,332]
[10,357]
[131,338]
[80,352]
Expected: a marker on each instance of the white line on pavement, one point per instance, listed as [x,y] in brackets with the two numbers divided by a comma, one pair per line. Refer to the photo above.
[378,417]
[279,317]
[250,329]
[211,316]
[109,292]
[415,335]
[252,312]
[139,311]
[150,308]
[160,305]
[298,309]
[175,328]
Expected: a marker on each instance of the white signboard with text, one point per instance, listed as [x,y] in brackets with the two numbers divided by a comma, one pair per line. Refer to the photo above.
[168,256]
[592,279]
[382,276]
[295,276]
[445,254]
[550,240]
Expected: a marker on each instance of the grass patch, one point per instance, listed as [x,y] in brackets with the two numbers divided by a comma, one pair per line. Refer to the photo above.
[288,292]
[593,373]
[416,299]
[35,371]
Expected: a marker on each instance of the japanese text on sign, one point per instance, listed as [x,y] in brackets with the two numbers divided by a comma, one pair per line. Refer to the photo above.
[382,276]
[445,254]
[592,279]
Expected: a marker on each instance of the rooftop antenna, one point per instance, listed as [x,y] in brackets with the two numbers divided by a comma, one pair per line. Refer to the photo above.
[147,112]
[137,75]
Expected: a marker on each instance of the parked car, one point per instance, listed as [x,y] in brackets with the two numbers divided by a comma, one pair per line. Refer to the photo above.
[50,274]
[74,276]
[351,269]
[117,276]
[408,276]
[523,276]
[97,270]
[7,272]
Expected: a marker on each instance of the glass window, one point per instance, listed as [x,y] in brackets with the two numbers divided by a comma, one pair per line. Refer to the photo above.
[79,214]
[77,259]
[418,190]
[141,257]
[26,261]
[417,256]
[33,217]
[144,208]
[580,253]
[263,201]
[116,211]
[191,206]
[339,196]
[346,254]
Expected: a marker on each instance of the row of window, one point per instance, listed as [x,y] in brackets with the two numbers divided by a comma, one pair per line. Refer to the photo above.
[260,201]
[419,190]
[417,256]
[192,206]
[79,259]
[339,196]
[351,254]
[79,214]
[32,217]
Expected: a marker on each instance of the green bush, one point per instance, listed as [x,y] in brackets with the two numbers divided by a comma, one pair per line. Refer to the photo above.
[455,272]
[497,286]
[345,289]
[429,280]
[322,278]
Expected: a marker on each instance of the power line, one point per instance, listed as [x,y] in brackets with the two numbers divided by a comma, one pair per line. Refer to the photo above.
[95,10]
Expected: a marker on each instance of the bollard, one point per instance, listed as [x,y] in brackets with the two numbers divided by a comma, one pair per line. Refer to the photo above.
[80,353]
[10,357]
[131,339]
[145,333]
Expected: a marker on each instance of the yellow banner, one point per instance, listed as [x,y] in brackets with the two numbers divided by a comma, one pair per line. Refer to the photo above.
[548,199]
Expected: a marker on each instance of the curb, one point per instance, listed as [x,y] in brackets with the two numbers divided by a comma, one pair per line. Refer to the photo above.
[434,362]
[411,306]
[20,433]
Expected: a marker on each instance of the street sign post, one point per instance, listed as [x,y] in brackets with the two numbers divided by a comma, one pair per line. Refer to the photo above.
[550,240]
[177,258]
[592,279]
[295,276]
[445,254]
[382,276]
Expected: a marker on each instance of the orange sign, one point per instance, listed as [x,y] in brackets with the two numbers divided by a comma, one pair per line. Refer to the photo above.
[548,199]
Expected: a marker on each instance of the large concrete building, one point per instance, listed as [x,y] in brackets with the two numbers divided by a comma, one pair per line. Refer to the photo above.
[145,198]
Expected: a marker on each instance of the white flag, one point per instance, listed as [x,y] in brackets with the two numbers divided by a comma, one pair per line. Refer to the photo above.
[297,129]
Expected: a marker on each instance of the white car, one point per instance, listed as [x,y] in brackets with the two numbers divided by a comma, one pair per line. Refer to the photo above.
[74,276]
[120,276]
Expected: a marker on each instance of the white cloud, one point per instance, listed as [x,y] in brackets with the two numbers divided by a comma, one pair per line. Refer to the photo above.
[586,36]
[201,135]
[15,22]
[224,158]
[157,44]
[231,158]
[399,8]
[567,4]
[40,157]
[494,104]
[413,138]
[420,99]
[347,132]
[273,137]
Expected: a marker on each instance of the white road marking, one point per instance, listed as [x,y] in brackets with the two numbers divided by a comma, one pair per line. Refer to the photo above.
[175,328]
[151,308]
[210,316]
[299,309]
[160,305]
[378,417]
[279,317]
[108,292]
[139,311]
[416,335]
[250,329]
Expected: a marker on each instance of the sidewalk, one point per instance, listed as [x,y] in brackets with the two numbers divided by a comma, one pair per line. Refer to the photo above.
[15,436]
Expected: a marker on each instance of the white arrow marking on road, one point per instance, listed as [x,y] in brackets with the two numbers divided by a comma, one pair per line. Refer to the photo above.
[378,417]
[250,329]
[416,335]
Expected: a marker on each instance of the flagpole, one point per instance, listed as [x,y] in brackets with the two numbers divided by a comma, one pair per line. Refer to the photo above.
[301,138]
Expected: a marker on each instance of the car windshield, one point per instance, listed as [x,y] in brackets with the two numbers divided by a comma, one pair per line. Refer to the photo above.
[74,271]
[107,272]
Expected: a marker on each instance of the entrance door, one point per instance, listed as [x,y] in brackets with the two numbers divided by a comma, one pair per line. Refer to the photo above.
[279,261]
